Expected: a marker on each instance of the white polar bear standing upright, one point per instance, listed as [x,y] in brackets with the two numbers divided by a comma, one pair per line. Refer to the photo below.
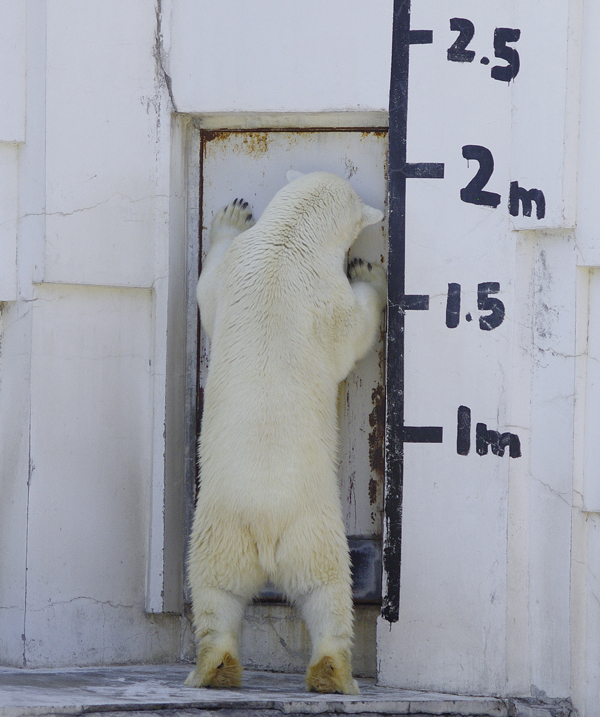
[286,326]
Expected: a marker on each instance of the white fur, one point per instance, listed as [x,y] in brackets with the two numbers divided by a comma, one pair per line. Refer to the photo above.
[286,327]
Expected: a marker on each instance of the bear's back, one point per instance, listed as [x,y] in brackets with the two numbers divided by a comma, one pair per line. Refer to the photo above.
[271,392]
[278,298]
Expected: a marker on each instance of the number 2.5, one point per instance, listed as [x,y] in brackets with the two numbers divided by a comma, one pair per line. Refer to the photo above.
[458,52]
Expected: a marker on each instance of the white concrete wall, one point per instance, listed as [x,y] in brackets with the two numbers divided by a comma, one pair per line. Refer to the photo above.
[487,540]
[97,199]
[585,586]
[12,133]
[84,344]
[281,56]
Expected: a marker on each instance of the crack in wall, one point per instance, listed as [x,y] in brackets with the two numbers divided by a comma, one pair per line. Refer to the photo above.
[554,491]
[159,54]
[104,201]
[81,597]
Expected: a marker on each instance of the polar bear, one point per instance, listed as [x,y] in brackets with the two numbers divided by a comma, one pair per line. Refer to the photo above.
[286,326]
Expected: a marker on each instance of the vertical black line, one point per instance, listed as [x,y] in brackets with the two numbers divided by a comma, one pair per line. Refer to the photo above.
[463,431]
[199,386]
[453,306]
[394,449]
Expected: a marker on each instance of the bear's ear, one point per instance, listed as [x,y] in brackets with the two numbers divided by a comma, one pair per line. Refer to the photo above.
[293,174]
[371,215]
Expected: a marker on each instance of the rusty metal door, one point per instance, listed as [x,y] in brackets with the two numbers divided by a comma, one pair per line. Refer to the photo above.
[253,164]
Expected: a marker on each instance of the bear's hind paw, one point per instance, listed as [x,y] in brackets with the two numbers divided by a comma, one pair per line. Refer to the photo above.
[329,675]
[226,674]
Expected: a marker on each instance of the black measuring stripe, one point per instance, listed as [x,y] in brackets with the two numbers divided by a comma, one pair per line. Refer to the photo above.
[396,433]
[421,37]
[423,170]
[415,302]
[463,432]
[423,434]
[394,419]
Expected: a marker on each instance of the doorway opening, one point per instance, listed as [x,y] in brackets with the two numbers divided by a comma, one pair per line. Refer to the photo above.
[252,164]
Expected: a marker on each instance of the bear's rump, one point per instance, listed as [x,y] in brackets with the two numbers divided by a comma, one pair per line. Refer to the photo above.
[277,540]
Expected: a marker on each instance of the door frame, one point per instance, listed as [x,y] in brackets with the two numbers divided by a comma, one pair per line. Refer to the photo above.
[365,552]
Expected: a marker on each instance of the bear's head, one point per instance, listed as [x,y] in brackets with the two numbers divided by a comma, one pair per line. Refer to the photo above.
[321,208]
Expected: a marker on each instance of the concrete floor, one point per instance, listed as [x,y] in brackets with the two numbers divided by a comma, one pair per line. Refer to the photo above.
[151,689]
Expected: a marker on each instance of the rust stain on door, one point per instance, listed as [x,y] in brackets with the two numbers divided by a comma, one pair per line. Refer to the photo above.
[376,438]
[248,143]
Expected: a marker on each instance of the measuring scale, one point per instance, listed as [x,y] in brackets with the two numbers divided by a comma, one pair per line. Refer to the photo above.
[478,161]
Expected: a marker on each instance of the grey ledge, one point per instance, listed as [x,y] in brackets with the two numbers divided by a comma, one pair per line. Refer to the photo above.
[142,691]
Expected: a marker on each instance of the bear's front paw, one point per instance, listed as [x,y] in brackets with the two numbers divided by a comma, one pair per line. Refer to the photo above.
[232,220]
[361,270]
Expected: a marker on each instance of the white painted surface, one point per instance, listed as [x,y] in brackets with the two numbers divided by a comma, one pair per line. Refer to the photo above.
[588,215]
[485,583]
[15,356]
[32,158]
[89,493]
[544,95]
[585,587]
[586,647]
[280,57]
[452,627]
[174,339]
[499,578]
[13,62]
[8,226]
[551,461]
[101,182]
[93,208]
[591,422]
[14,467]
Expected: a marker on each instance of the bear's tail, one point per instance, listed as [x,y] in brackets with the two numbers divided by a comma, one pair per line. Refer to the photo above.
[266,557]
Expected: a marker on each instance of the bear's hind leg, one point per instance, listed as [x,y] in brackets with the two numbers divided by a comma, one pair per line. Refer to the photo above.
[224,574]
[314,571]
[217,617]
[327,612]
